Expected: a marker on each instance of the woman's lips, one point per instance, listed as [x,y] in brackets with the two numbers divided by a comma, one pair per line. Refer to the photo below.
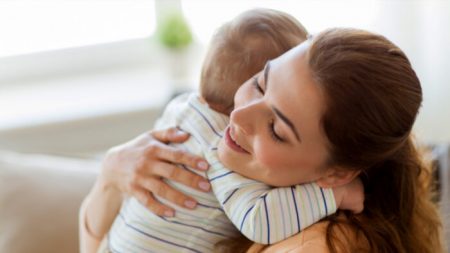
[232,144]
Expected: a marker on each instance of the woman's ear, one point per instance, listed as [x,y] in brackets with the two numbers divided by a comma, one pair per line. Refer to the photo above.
[337,176]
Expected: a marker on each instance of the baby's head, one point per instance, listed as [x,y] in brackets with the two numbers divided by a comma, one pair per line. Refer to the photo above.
[241,48]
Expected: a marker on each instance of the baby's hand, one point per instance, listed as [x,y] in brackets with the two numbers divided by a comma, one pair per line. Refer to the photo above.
[350,196]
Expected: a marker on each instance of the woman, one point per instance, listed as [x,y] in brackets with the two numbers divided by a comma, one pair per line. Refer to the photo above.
[352,98]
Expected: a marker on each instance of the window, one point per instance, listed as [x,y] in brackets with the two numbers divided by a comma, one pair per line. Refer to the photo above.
[42,25]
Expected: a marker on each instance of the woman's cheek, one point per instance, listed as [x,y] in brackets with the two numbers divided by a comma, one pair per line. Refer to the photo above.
[274,155]
[281,167]
[270,159]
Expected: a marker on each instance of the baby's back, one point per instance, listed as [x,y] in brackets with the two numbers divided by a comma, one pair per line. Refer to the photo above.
[136,229]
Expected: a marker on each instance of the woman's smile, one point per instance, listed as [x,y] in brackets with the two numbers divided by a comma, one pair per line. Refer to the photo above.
[231,142]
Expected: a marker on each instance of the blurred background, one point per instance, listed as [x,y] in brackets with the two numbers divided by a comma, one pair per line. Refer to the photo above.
[80,76]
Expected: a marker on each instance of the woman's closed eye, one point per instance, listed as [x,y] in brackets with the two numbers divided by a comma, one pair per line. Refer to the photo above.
[271,125]
[273,133]
[257,85]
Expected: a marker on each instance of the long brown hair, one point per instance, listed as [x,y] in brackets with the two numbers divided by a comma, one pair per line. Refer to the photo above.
[372,98]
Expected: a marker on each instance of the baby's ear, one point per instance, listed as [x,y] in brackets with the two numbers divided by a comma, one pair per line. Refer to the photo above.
[337,176]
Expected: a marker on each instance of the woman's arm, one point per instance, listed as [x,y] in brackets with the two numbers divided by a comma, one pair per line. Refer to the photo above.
[103,206]
[136,168]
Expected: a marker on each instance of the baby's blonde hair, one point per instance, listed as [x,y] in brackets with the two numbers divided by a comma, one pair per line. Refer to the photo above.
[241,48]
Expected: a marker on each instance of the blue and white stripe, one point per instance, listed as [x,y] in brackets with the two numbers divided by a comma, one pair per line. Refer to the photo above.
[262,213]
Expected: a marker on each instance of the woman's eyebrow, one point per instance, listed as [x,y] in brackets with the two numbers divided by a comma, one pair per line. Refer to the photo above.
[266,73]
[288,122]
[278,112]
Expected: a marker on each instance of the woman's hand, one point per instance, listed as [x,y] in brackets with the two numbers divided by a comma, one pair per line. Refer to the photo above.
[137,168]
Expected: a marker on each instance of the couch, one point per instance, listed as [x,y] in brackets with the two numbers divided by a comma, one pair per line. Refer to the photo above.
[40,196]
[39,200]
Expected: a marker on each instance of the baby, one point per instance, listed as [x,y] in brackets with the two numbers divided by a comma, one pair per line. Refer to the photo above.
[238,204]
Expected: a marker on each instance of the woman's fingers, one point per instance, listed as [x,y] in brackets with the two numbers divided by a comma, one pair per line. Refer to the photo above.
[146,198]
[181,175]
[176,155]
[163,190]
[172,134]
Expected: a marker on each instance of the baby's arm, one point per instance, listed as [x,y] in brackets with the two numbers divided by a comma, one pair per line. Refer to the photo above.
[265,214]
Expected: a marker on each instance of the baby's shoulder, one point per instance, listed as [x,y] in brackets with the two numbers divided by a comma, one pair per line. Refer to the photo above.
[176,110]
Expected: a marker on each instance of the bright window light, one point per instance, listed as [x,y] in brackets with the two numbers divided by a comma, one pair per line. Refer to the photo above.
[41,25]
[315,15]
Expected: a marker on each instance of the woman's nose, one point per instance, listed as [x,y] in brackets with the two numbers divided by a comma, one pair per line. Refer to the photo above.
[246,117]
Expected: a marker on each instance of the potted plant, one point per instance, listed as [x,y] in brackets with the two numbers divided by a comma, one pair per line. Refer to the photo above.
[174,33]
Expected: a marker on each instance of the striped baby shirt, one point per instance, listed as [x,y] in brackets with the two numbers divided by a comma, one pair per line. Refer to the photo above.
[236,205]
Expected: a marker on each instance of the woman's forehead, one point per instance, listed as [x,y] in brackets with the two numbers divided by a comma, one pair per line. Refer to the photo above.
[292,67]
[296,52]
[296,93]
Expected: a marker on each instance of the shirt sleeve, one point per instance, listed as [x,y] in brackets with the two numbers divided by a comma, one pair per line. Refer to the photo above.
[88,242]
[266,214]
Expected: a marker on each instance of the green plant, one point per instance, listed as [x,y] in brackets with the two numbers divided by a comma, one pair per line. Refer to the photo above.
[174,32]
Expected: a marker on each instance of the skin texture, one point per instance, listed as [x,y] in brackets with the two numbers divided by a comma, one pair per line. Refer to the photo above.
[299,153]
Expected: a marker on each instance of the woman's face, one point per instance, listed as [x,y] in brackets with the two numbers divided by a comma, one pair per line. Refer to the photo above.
[274,134]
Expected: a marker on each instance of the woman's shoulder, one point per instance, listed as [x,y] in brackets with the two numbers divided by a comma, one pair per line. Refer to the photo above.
[314,239]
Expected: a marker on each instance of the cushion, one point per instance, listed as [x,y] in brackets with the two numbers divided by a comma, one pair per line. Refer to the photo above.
[39,197]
